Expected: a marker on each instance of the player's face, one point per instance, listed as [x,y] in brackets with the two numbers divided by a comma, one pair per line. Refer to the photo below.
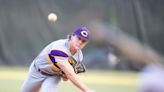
[78,43]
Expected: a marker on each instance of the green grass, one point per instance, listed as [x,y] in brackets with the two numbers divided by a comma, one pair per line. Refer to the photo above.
[11,80]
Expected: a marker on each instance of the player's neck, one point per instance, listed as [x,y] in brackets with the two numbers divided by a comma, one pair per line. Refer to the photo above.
[73,51]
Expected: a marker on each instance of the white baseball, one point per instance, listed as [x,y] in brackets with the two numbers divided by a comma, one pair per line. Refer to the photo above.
[52,17]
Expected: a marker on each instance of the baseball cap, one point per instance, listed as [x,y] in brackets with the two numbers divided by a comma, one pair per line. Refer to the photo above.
[82,32]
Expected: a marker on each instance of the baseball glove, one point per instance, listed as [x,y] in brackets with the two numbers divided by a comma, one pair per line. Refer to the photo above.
[79,67]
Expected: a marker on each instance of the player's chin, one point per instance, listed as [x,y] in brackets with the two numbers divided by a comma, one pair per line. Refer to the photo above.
[77,48]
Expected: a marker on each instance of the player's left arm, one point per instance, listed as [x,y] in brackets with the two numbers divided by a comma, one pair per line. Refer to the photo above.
[72,76]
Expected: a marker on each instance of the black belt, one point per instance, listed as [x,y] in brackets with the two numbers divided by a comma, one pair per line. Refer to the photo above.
[44,73]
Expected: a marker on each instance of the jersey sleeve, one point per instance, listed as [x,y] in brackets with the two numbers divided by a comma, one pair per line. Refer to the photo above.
[58,56]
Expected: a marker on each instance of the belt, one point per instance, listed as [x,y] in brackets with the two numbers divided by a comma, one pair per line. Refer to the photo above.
[44,73]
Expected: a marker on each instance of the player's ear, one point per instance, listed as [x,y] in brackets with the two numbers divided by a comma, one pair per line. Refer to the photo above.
[69,37]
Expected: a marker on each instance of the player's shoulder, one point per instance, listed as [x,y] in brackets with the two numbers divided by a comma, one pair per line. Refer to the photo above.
[80,53]
[60,46]
[60,41]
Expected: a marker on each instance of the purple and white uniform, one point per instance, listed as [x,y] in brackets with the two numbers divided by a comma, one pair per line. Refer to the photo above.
[44,74]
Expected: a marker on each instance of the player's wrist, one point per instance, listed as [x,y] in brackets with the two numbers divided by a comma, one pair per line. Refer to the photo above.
[65,78]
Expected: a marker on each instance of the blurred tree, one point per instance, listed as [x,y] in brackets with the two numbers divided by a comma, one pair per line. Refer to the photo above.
[24,29]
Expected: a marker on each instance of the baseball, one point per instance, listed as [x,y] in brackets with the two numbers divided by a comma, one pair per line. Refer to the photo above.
[52,17]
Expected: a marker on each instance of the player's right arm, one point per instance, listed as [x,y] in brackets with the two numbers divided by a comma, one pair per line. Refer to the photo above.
[72,76]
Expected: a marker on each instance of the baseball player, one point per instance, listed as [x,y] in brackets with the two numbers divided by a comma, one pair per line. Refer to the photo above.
[61,59]
[151,78]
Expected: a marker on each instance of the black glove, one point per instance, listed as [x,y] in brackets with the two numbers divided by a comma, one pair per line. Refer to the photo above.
[79,67]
